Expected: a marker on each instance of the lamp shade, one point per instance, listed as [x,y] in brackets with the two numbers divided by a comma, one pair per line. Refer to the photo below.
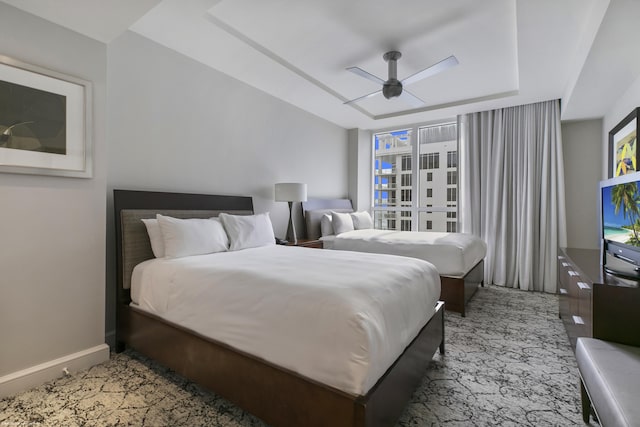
[291,192]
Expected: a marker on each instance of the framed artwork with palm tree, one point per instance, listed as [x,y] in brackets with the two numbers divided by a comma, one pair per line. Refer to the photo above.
[623,151]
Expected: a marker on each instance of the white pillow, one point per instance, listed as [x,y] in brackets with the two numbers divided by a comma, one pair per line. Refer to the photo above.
[326,227]
[248,231]
[361,220]
[155,236]
[342,222]
[193,236]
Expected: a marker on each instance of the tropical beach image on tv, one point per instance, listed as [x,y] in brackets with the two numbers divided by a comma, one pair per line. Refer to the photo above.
[621,213]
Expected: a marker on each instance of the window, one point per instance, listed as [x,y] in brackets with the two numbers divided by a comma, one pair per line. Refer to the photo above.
[451,194]
[389,148]
[451,227]
[412,186]
[452,159]
[430,161]
[406,163]
[452,178]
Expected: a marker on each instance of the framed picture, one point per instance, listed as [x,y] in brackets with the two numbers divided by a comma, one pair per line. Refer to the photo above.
[623,146]
[45,121]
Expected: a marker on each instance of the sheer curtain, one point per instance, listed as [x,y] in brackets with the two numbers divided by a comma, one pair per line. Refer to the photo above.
[512,192]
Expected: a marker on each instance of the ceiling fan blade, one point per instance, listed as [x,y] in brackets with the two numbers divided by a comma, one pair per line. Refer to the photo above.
[434,69]
[411,99]
[364,97]
[363,73]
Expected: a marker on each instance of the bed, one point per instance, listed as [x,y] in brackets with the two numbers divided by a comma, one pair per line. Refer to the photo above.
[279,394]
[458,257]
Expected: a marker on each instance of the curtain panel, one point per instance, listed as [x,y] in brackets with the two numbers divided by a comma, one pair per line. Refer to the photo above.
[512,192]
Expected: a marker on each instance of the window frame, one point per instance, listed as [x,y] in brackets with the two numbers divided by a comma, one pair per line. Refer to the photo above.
[415,210]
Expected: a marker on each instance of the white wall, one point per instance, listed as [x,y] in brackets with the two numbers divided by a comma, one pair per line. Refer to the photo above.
[360,162]
[581,144]
[625,105]
[177,125]
[52,244]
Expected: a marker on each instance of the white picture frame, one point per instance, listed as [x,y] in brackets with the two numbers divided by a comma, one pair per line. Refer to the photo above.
[45,121]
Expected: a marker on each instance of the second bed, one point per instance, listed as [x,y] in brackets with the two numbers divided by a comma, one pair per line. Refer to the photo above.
[458,257]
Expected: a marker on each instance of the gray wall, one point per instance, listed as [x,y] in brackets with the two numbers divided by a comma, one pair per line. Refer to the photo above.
[177,125]
[627,102]
[52,250]
[360,163]
[581,141]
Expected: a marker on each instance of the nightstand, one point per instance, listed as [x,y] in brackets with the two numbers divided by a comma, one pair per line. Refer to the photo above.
[308,243]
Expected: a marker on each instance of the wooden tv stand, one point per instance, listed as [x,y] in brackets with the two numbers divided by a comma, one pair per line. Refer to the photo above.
[594,303]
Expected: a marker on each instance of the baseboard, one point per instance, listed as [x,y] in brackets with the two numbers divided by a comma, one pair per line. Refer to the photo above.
[110,339]
[37,375]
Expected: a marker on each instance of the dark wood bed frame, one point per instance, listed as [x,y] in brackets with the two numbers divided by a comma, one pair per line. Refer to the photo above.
[455,291]
[276,395]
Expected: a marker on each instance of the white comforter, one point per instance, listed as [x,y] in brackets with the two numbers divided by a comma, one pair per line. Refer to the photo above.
[340,318]
[453,254]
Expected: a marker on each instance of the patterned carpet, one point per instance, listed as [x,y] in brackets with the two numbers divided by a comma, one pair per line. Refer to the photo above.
[508,363]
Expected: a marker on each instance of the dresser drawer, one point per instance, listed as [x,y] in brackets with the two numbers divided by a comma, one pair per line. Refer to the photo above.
[584,306]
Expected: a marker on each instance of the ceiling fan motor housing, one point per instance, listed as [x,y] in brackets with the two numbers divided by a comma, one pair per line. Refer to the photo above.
[392,88]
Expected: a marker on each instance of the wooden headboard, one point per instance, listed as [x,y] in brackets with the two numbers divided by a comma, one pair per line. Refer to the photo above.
[313,209]
[132,241]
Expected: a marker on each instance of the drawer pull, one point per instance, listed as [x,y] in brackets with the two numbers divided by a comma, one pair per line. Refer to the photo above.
[583,285]
[565,264]
[560,257]
[563,291]
[573,273]
[578,320]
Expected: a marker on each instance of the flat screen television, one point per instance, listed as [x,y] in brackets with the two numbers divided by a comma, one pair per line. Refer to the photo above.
[620,225]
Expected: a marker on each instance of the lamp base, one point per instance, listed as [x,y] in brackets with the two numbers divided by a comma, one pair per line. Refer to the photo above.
[291,228]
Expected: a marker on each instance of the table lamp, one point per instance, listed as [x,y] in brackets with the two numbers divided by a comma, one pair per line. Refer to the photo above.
[291,192]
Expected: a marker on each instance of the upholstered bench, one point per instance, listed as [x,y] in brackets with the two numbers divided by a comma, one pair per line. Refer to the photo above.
[610,375]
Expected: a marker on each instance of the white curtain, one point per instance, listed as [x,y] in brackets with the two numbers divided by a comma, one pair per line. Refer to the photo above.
[512,192]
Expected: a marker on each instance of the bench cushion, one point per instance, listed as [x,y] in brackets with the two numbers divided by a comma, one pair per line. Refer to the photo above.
[611,375]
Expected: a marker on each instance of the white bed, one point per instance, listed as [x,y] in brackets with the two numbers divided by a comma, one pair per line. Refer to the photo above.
[279,394]
[458,257]
[241,297]
[453,254]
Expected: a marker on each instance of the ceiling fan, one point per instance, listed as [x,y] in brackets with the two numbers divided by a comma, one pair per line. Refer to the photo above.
[393,87]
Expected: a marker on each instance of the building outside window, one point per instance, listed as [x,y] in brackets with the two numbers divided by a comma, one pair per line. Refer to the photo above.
[452,177]
[406,163]
[451,195]
[430,161]
[414,154]
[452,159]
[405,196]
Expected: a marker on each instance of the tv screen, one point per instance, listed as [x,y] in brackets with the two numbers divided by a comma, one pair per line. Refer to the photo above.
[620,225]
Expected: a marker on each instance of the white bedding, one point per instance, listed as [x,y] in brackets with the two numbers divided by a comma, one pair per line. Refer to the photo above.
[339,318]
[453,254]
